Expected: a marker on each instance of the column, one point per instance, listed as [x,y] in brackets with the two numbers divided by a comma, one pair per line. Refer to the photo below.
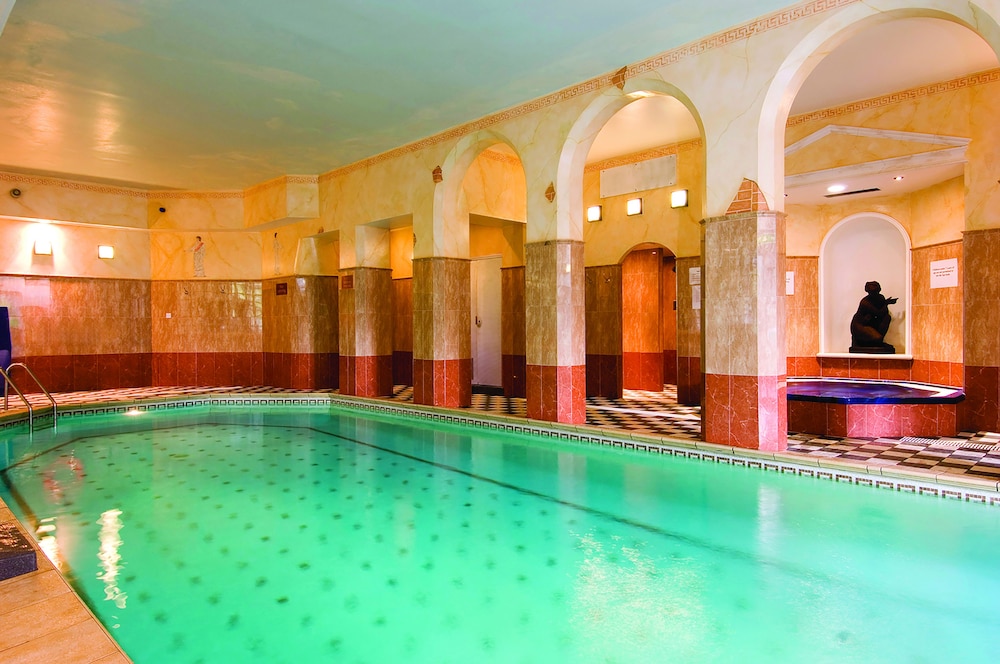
[366,331]
[604,331]
[442,348]
[981,284]
[689,377]
[556,343]
[513,341]
[744,341]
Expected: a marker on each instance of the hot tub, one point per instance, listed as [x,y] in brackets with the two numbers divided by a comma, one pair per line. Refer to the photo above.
[861,408]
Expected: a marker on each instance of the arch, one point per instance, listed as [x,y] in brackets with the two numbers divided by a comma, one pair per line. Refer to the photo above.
[806,55]
[447,206]
[573,155]
[888,262]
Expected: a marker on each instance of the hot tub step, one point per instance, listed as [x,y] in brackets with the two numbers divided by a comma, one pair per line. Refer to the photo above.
[17,556]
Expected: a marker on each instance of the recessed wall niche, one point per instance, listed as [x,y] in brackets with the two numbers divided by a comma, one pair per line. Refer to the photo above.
[861,248]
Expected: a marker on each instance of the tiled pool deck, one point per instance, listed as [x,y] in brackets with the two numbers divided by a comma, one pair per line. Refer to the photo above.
[41,620]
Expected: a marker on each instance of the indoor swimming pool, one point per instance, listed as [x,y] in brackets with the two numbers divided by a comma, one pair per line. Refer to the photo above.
[298,534]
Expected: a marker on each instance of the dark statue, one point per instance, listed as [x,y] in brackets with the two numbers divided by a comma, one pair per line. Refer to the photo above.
[871,322]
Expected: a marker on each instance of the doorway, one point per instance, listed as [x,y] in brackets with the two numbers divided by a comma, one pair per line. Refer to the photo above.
[485,324]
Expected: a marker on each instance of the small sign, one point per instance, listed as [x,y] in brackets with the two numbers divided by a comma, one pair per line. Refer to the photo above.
[789,283]
[694,276]
[347,282]
[696,297]
[944,274]
[281,289]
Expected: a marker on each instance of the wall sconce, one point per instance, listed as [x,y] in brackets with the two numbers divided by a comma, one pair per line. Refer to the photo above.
[679,198]
[633,206]
[594,213]
[43,247]
[105,251]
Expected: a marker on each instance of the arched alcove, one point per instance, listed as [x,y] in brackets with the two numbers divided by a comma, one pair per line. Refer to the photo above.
[863,247]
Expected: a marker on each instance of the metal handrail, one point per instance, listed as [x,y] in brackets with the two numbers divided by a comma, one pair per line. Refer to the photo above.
[9,382]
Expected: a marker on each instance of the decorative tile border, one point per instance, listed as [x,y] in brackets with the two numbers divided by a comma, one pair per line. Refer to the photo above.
[648,443]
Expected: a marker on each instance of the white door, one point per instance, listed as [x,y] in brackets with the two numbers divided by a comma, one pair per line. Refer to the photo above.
[486,360]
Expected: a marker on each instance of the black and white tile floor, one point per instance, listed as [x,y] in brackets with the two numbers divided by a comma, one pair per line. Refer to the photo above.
[975,454]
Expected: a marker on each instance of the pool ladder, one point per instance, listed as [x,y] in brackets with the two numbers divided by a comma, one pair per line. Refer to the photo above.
[9,383]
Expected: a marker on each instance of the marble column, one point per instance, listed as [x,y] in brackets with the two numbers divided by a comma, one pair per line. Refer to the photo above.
[556,340]
[442,348]
[300,327]
[365,304]
[604,331]
[512,340]
[689,376]
[981,285]
[744,341]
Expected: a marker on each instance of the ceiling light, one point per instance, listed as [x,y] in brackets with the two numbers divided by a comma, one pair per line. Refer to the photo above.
[836,188]
[679,198]
[43,247]
[898,178]
[594,213]
[105,251]
[633,206]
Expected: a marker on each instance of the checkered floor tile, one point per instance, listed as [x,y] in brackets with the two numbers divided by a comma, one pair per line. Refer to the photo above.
[970,453]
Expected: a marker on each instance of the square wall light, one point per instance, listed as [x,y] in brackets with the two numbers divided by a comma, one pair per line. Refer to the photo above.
[594,213]
[633,206]
[105,251]
[43,247]
[679,198]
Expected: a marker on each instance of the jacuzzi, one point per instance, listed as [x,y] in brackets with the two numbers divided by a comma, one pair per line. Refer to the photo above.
[863,408]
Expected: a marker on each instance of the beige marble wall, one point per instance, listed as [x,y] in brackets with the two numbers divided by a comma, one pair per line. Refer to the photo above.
[234,256]
[803,307]
[937,312]
[981,288]
[207,316]
[744,307]
[304,319]
[688,317]
[494,186]
[56,199]
[281,199]
[60,316]
[930,216]
[74,250]
[401,252]
[441,309]
[507,241]
[607,241]
[555,297]
[603,297]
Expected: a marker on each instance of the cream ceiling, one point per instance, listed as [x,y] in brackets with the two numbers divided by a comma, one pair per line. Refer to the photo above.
[220,94]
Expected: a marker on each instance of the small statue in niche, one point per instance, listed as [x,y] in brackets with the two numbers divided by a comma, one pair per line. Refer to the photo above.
[871,322]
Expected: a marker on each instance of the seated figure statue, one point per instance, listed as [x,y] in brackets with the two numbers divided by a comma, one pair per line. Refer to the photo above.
[871,322]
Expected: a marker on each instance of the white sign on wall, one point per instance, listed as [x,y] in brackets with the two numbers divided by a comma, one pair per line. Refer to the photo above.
[789,283]
[944,274]
[694,276]
[696,297]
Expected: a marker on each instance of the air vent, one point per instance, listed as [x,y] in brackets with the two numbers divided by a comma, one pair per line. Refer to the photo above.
[851,193]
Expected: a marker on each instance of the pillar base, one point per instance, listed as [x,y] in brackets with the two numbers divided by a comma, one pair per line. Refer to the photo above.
[445,383]
[557,394]
[366,376]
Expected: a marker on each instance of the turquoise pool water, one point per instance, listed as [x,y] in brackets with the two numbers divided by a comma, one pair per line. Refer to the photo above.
[298,535]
